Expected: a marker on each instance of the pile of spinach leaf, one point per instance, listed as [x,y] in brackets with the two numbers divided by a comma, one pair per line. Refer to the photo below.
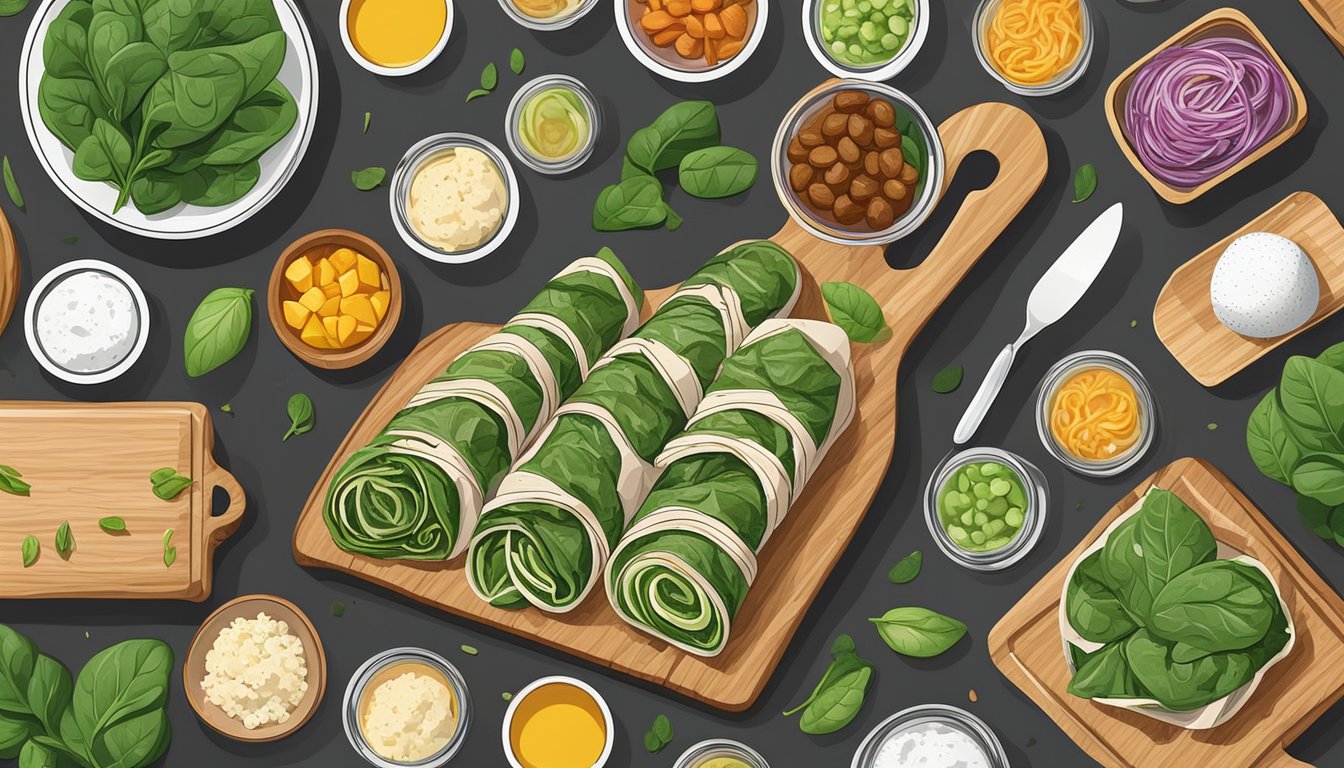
[168,101]
[1296,436]
[111,716]
[1177,625]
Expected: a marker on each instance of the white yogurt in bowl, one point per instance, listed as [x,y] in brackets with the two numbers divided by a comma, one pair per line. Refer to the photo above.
[86,322]
[931,736]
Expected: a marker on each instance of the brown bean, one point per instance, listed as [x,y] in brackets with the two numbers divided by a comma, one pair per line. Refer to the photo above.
[894,190]
[821,197]
[892,161]
[880,214]
[849,151]
[810,136]
[862,189]
[850,101]
[881,113]
[909,175]
[800,176]
[797,152]
[860,130]
[872,165]
[837,174]
[834,125]
[886,137]
[847,211]
[822,157]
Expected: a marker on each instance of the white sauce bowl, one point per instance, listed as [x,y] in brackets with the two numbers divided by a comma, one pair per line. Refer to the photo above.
[43,288]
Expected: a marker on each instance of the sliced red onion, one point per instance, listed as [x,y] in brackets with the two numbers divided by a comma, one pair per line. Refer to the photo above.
[1194,111]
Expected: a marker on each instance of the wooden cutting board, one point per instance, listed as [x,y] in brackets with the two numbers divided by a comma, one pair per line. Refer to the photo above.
[1027,647]
[86,461]
[9,271]
[813,537]
[1329,14]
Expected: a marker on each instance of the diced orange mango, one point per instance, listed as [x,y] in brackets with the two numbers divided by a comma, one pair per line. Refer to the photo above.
[343,259]
[313,335]
[360,308]
[331,290]
[336,297]
[380,301]
[296,315]
[361,335]
[326,273]
[330,308]
[345,327]
[369,273]
[329,325]
[313,299]
[349,283]
[299,273]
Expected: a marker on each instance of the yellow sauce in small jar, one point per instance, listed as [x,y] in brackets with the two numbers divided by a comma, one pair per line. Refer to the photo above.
[558,725]
[396,33]
[1095,415]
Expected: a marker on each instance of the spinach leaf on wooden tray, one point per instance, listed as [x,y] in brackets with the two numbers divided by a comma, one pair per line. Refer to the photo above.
[856,312]
[11,483]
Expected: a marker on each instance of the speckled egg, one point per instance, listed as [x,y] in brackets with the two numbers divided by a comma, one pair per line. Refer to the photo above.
[1264,286]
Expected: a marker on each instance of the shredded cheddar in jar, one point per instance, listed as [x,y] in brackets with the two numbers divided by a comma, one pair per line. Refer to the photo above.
[1094,415]
[1031,42]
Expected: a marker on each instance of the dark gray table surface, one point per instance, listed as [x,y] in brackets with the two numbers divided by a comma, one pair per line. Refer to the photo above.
[982,315]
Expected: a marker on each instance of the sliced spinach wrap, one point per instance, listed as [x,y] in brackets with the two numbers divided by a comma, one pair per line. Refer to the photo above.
[683,568]
[416,491]
[545,537]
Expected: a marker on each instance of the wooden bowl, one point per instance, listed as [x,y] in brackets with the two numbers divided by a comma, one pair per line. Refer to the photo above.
[333,359]
[9,272]
[248,606]
[1225,22]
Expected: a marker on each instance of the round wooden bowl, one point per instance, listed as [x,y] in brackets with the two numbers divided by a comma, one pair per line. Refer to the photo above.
[9,272]
[248,606]
[333,359]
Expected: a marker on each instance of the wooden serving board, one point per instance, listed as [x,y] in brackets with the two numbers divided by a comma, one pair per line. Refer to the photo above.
[9,272]
[86,461]
[1184,319]
[1329,14]
[810,542]
[1027,647]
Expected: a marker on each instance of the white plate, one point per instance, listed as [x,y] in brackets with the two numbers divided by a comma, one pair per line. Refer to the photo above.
[182,222]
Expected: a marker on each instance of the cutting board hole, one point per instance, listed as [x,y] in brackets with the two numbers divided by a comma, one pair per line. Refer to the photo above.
[978,170]
[219,501]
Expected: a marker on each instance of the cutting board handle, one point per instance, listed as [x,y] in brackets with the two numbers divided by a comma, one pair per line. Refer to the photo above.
[221,527]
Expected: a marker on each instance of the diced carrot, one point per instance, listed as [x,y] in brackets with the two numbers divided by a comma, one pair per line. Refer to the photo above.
[656,21]
[679,8]
[668,36]
[713,27]
[734,19]
[694,27]
[705,6]
[689,47]
[656,5]
[711,52]
[728,47]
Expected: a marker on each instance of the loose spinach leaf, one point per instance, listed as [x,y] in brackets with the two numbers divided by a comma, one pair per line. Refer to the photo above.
[30,549]
[516,62]
[10,482]
[476,94]
[12,7]
[717,172]
[907,569]
[112,524]
[633,203]
[218,329]
[1084,182]
[1212,607]
[368,178]
[301,415]
[65,540]
[1312,397]
[662,728]
[918,632]
[167,483]
[1092,607]
[11,186]
[681,129]
[949,379]
[856,312]
[1270,440]
[367,117]
[490,76]
[1321,476]
[838,697]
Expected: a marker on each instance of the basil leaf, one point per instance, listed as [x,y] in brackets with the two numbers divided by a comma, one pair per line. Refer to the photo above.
[476,94]
[907,569]
[12,7]
[1270,441]
[1215,606]
[516,62]
[489,77]
[171,487]
[30,549]
[633,203]
[10,482]
[949,379]
[678,131]
[1084,182]
[301,415]
[218,329]
[855,311]
[918,632]
[112,524]
[1321,476]
[368,178]
[367,117]
[662,728]
[11,186]
[65,540]
[169,551]
[161,475]
[717,172]
[1092,607]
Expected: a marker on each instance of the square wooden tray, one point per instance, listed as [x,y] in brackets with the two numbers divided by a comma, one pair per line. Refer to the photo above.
[1227,22]
[1027,647]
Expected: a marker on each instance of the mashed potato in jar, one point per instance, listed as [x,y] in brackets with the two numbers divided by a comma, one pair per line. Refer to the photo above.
[457,199]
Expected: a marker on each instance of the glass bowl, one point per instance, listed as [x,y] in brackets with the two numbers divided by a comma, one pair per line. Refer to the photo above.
[354,694]
[399,193]
[667,62]
[516,702]
[409,69]
[932,714]
[1033,521]
[708,750]
[1067,77]
[1078,361]
[544,25]
[878,72]
[834,232]
[513,133]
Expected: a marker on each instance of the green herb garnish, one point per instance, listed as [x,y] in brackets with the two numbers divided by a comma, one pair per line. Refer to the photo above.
[1213,426]
[338,609]
[169,551]
[218,330]
[12,7]
[470,650]
[30,549]
[168,484]
[301,415]
[907,569]
[946,381]
[836,700]
[476,94]
[369,178]
[12,186]
[490,76]
[112,524]
[856,312]
[717,172]
[1084,182]
[226,408]
[918,632]
[1133,323]
[10,482]
[70,239]
[516,62]
[660,735]
[506,696]
[368,116]
[65,540]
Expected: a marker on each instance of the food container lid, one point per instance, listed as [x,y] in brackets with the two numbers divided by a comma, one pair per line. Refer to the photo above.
[1033,521]
[44,286]
[671,65]
[512,125]
[1077,361]
[878,72]
[712,748]
[354,692]
[409,69]
[984,15]
[940,714]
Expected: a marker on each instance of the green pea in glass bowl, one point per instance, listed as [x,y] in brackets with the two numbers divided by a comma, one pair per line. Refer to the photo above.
[986,508]
[865,39]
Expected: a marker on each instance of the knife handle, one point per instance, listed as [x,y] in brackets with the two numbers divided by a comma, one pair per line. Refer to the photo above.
[984,397]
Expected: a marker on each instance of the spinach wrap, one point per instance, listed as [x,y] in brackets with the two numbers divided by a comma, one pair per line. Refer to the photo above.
[416,491]
[545,537]
[683,568]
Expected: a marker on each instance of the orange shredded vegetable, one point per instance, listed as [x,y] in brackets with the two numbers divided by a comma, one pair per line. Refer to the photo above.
[1095,415]
[1031,42]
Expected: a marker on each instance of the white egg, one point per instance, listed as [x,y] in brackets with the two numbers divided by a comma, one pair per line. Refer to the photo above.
[1264,286]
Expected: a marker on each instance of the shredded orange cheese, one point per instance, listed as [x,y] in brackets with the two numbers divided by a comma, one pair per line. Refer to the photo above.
[1031,42]
[1095,415]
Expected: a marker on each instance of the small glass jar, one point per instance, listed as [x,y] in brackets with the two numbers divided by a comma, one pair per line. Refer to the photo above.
[1033,516]
[400,189]
[354,697]
[984,16]
[513,125]
[666,62]
[705,751]
[834,232]
[932,714]
[1096,359]
[555,22]
[877,72]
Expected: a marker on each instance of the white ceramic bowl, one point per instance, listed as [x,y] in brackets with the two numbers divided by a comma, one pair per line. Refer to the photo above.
[39,292]
[299,74]
[559,680]
[875,72]
[401,185]
[672,66]
[378,69]
[546,25]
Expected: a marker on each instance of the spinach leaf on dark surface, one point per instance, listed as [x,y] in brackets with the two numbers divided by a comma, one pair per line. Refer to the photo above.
[634,203]
[680,130]
[717,172]
[218,329]
[839,696]
[907,570]
[919,632]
